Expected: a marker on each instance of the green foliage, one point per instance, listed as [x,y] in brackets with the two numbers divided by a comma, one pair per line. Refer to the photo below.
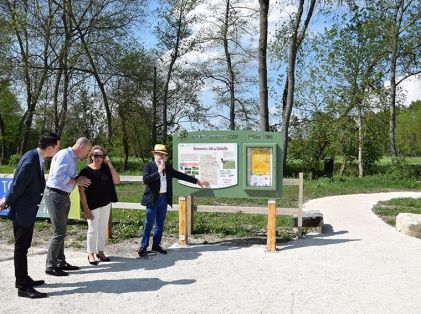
[313,142]
[13,160]
[402,169]
[408,130]
[373,133]
[9,117]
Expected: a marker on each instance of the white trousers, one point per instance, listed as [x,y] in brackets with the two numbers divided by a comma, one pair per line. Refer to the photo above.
[97,227]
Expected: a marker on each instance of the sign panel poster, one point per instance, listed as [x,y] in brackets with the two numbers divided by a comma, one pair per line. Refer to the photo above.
[259,166]
[216,163]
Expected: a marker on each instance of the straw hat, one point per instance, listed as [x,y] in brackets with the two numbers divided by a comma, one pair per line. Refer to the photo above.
[160,148]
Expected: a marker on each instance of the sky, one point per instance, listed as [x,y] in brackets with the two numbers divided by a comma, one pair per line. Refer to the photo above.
[277,14]
[411,87]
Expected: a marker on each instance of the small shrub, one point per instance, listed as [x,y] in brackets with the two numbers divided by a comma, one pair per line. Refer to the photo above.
[14,159]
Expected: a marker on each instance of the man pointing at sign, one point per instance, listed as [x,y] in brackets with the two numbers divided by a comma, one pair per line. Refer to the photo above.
[157,177]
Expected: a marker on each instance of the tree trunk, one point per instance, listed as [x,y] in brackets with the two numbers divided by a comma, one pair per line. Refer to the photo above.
[230,72]
[174,57]
[95,72]
[392,100]
[67,22]
[360,144]
[33,88]
[295,41]
[263,86]
[125,140]
[292,58]
[154,108]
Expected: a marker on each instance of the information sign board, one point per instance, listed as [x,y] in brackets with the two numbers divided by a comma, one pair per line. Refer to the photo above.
[235,163]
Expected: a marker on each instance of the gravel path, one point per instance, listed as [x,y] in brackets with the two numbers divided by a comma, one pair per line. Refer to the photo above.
[361,265]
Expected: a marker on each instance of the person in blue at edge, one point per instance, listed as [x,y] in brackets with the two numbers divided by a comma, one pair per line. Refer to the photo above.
[61,181]
[157,196]
[23,200]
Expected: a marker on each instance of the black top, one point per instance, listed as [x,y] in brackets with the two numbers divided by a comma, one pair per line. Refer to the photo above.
[102,190]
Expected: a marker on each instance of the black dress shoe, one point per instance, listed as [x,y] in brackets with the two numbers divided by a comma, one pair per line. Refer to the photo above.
[56,272]
[159,249]
[142,252]
[103,259]
[67,266]
[31,293]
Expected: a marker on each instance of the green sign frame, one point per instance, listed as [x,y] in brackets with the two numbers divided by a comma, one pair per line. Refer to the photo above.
[252,169]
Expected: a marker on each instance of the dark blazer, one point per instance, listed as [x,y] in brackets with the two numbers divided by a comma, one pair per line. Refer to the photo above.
[26,191]
[153,183]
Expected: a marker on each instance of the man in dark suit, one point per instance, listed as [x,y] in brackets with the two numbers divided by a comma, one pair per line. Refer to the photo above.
[158,195]
[23,200]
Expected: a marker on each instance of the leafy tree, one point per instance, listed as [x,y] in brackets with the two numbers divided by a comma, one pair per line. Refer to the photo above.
[174,35]
[353,61]
[226,36]
[403,28]
[31,23]
[132,96]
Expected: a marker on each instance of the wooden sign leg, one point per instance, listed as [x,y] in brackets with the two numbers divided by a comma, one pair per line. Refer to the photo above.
[182,221]
[271,236]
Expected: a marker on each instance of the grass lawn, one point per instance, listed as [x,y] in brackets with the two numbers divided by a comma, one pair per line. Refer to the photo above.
[128,223]
[388,210]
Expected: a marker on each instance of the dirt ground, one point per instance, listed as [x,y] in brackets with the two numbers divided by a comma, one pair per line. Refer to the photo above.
[76,239]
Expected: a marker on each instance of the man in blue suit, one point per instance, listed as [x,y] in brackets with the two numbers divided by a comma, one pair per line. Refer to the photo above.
[23,200]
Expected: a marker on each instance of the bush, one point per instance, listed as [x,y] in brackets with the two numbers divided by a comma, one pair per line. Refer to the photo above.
[13,160]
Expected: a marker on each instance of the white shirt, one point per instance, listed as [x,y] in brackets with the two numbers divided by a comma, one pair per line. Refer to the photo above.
[163,186]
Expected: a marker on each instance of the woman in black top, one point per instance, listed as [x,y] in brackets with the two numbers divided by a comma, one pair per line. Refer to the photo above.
[96,200]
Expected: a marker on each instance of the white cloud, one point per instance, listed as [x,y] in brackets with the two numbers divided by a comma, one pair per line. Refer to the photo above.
[409,89]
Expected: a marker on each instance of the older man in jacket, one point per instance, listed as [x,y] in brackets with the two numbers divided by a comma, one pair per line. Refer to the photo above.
[157,176]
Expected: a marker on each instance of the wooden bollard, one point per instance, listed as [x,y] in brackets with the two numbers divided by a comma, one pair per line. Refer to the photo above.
[271,237]
[182,221]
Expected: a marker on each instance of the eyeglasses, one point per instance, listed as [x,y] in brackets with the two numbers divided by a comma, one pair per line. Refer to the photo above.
[98,156]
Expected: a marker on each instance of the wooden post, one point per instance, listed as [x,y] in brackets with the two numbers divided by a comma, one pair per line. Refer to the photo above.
[182,221]
[300,203]
[109,232]
[271,237]
[190,210]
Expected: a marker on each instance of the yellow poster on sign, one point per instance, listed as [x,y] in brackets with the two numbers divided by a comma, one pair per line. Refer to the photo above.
[259,166]
[260,161]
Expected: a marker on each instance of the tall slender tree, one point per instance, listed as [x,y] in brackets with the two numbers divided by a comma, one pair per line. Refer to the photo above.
[263,84]
[403,25]
[174,39]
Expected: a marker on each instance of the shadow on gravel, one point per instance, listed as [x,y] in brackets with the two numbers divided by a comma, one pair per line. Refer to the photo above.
[318,239]
[153,260]
[115,286]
